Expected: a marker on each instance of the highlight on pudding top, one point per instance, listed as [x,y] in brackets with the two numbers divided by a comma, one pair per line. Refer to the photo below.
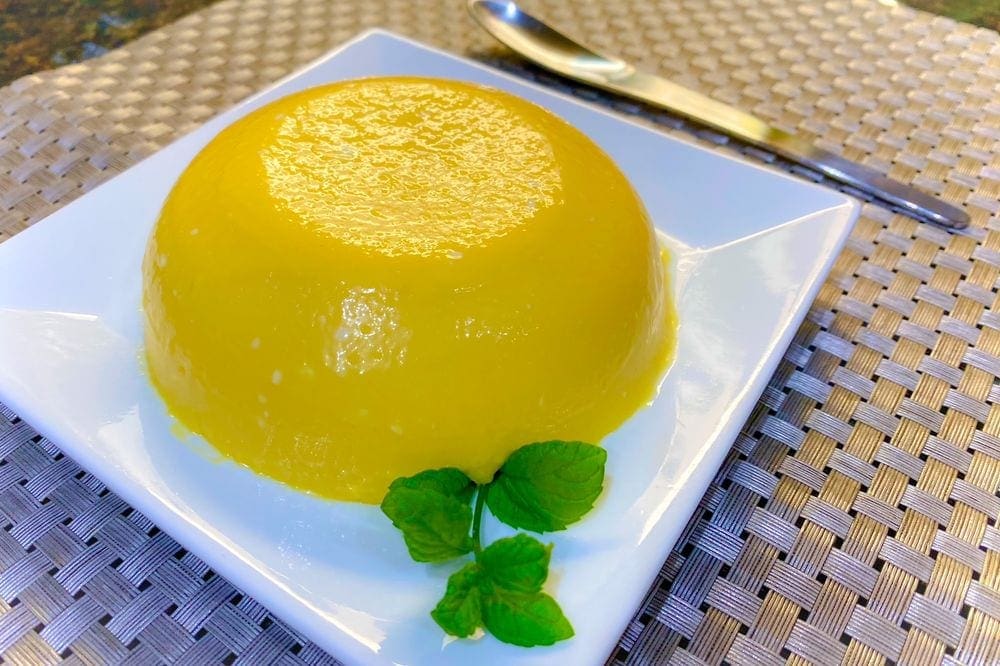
[369,279]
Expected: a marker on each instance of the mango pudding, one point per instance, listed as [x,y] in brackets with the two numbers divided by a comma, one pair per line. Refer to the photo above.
[372,278]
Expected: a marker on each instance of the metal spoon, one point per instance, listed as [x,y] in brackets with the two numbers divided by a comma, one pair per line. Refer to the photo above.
[553,50]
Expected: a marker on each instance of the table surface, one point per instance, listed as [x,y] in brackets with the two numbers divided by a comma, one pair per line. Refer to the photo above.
[854,520]
[37,36]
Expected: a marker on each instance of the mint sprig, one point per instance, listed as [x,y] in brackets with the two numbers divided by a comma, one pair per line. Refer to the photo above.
[541,487]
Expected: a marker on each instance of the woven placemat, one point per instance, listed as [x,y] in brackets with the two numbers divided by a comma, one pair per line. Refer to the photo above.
[854,520]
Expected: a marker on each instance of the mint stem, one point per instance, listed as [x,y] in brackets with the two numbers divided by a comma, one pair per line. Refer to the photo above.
[477,518]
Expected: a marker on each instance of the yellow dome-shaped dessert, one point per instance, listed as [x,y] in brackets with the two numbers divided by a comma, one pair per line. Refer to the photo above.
[368,279]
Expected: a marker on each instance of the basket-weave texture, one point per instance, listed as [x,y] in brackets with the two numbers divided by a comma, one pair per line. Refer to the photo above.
[855,519]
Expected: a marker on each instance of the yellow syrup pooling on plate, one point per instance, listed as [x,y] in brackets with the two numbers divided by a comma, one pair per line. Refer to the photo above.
[368,279]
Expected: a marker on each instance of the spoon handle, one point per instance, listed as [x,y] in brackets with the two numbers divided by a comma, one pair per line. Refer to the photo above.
[677,99]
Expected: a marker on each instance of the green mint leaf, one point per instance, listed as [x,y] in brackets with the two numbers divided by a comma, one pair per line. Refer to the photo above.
[447,481]
[460,611]
[435,527]
[432,511]
[546,486]
[519,563]
[524,619]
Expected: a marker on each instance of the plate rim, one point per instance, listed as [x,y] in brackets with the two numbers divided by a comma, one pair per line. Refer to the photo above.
[247,577]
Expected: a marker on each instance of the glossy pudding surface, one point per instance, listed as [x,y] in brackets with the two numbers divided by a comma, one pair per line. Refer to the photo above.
[368,279]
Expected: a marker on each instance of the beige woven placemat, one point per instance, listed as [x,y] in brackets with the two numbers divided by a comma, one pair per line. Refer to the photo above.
[855,519]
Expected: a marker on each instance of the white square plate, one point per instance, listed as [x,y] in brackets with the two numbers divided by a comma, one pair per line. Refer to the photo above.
[751,247]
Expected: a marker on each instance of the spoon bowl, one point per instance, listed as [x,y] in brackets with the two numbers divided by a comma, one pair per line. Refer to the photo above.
[540,42]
